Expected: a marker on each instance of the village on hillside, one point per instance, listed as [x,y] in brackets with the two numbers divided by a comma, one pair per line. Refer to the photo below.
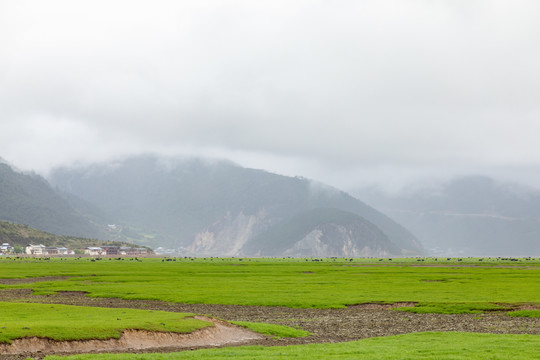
[41,250]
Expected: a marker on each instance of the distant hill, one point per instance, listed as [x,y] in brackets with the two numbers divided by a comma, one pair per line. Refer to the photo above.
[472,215]
[219,208]
[21,235]
[29,199]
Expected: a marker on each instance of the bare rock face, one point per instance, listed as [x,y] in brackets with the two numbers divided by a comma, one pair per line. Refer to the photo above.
[316,233]
[337,240]
[227,236]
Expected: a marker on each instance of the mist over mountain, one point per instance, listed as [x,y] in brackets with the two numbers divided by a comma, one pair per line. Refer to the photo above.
[218,208]
[474,215]
[350,93]
[210,207]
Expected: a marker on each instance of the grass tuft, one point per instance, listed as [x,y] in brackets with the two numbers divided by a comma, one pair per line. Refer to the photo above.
[278,331]
[525,313]
[452,308]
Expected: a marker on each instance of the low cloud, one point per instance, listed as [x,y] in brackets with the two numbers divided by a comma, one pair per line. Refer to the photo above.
[336,90]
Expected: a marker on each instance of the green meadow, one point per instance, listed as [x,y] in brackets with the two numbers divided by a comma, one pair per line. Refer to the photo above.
[65,322]
[436,285]
[445,286]
[417,346]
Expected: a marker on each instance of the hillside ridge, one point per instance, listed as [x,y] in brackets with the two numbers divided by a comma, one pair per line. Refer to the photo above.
[220,208]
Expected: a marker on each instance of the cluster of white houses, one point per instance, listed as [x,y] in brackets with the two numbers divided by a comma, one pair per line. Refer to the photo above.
[40,249]
[91,250]
[115,250]
[47,250]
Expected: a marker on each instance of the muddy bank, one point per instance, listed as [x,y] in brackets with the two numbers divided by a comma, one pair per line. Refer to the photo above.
[221,333]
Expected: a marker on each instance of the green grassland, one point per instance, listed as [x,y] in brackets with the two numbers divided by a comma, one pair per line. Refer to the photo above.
[437,285]
[417,346]
[65,322]
[444,285]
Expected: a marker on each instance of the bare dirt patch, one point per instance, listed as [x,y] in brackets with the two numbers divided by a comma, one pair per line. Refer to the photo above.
[32,280]
[371,306]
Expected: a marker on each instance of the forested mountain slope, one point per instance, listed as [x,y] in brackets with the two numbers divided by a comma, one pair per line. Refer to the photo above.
[219,208]
[29,199]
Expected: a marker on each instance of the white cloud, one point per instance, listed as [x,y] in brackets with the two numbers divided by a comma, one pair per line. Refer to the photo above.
[324,87]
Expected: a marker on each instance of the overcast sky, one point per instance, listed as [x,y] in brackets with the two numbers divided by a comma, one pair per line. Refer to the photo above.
[346,92]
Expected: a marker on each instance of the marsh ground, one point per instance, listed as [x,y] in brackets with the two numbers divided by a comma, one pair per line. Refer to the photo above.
[326,325]
[300,289]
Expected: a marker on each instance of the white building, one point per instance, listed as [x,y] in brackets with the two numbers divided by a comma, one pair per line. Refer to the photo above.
[5,248]
[36,249]
[94,250]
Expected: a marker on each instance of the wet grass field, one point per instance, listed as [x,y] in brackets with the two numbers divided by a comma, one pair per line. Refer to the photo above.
[507,287]
[444,286]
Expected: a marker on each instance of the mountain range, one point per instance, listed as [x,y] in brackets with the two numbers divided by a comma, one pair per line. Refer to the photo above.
[467,216]
[217,208]
[202,207]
